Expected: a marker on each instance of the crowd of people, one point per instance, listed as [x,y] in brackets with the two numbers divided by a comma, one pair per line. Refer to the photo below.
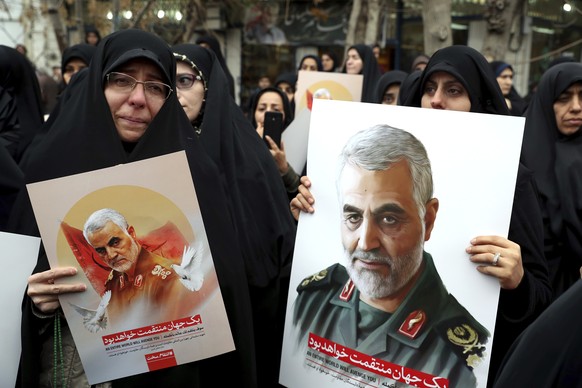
[251,197]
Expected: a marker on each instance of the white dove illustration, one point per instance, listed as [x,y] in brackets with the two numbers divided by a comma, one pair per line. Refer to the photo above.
[190,270]
[95,320]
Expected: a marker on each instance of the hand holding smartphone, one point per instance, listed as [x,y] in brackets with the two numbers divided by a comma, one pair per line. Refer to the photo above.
[273,127]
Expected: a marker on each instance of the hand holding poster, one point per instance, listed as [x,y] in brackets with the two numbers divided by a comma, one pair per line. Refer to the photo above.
[136,236]
[382,290]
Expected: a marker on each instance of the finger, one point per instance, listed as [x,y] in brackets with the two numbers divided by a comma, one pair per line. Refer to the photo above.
[40,289]
[272,144]
[306,195]
[305,181]
[498,241]
[52,274]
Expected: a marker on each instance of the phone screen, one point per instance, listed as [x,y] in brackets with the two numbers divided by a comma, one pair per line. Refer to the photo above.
[273,126]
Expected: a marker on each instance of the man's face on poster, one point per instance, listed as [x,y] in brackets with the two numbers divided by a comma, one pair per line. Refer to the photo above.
[382,233]
[116,246]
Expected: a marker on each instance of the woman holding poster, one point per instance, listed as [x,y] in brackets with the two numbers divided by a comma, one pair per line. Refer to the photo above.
[111,121]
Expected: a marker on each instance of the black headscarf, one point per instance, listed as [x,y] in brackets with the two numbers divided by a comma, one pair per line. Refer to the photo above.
[518,104]
[471,69]
[386,80]
[409,86]
[83,138]
[258,204]
[82,51]
[214,45]
[370,70]
[291,79]
[286,105]
[556,160]
[315,58]
[21,113]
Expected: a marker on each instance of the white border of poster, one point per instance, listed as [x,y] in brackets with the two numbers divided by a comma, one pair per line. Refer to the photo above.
[474,159]
[160,324]
[22,251]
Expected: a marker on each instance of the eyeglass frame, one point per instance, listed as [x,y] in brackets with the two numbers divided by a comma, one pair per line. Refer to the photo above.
[144,83]
[195,77]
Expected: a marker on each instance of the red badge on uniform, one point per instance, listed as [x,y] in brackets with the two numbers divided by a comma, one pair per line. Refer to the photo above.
[138,281]
[121,282]
[347,291]
[413,323]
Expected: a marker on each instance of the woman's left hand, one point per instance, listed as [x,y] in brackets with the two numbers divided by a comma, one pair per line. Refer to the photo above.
[498,257]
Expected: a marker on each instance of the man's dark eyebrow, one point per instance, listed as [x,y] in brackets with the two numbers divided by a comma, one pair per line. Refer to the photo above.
[389,208]
[351,209]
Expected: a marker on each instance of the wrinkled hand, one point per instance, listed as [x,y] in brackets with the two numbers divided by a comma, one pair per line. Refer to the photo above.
[278,155]
[303,202]
[44,292]
[509,269]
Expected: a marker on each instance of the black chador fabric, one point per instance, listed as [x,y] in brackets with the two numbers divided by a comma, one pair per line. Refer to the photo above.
[472,70]
[370,71]
[82,51]
[556,160]
[20,102]
[83,138]
[214,45]
[257,202]
[386,80]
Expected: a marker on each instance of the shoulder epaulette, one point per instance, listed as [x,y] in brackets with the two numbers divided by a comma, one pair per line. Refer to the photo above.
[466,338]
[323,278]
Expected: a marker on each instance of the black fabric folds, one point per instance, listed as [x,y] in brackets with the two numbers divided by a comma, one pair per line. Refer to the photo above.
[556,160]
[472,70]
[386,80]
[82,138]
[214,45]
[258,205]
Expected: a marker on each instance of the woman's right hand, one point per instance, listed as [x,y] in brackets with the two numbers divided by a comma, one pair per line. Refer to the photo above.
[304,200]
[45,293]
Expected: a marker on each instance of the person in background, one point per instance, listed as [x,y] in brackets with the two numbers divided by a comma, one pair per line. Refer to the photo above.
[22,49]
[21,117]
[74,59]
[92,36]
[274,100]
[211,43]
[361,60]
[504,73]
[287,83]
[310,63]
[419,63]
[264,226]
[91,132]
[551,147]
[388,87]
[329,61]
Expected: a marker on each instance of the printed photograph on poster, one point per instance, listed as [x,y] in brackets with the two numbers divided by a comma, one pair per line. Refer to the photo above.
[313,85]
[382,291]
[137,238]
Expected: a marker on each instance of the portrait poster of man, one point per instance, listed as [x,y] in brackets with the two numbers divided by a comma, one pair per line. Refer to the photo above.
[382,291]
[135,233]
[312,85]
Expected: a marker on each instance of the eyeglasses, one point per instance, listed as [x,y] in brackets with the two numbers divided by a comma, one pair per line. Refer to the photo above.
[125,83]
[186,81]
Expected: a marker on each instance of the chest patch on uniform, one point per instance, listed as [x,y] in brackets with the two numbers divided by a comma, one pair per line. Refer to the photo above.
[413,323]
[161,271]
[138,281]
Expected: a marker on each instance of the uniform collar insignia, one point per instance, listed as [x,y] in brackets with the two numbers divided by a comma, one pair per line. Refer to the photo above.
[413,323]
[347,291]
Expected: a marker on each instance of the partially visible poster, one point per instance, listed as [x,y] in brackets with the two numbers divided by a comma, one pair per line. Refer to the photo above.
[382,291]
[136,235]
[22,252]
[313,85]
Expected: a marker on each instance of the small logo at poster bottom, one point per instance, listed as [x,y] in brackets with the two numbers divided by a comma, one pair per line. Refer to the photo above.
[161,360]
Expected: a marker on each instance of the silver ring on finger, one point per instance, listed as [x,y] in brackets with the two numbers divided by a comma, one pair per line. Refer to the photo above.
[496,258]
